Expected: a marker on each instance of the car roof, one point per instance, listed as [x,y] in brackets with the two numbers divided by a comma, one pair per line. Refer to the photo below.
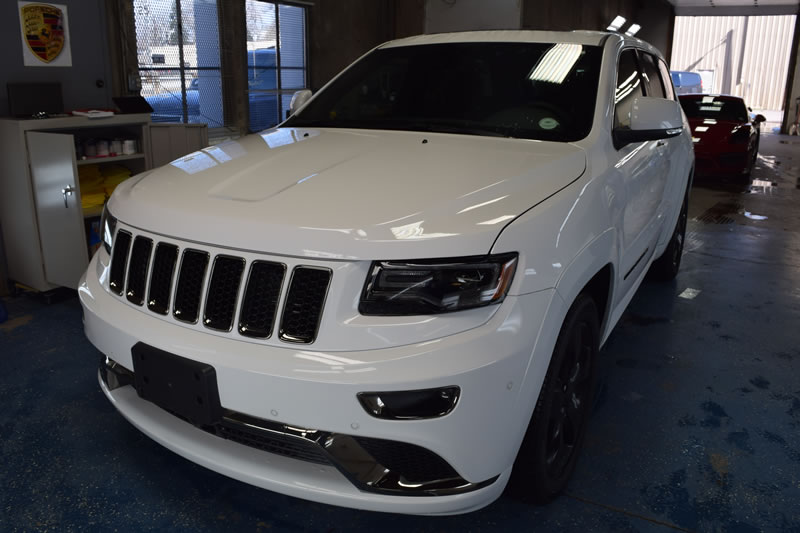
[585,37]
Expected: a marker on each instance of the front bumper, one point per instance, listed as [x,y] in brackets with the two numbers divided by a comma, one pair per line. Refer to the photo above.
[310,389]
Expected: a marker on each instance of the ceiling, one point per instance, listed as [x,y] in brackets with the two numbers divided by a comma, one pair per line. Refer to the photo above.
[735,7]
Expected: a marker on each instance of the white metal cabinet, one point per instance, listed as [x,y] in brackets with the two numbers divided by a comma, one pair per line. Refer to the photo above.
[58,206]
[45,243]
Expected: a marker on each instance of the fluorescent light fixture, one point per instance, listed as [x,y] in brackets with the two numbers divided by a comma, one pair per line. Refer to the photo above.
[633,29]
[701,129]
[556,63]
[616,24]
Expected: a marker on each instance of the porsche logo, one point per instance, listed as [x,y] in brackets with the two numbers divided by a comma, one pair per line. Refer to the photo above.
[44,30]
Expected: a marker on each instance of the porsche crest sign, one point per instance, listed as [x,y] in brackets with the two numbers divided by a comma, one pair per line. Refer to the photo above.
[45,34]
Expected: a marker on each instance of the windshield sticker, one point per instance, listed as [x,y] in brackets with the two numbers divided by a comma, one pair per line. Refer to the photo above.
[548,123]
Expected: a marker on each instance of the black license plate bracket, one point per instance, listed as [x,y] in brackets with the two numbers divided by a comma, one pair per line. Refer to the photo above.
[185,387]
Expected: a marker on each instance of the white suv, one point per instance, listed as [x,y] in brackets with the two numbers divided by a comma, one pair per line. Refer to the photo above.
[394,300]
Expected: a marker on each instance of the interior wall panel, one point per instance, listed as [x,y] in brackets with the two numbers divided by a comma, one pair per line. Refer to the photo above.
[748,56]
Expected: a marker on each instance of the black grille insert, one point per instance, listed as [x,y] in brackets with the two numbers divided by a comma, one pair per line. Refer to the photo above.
[261,299]
[303,308]
[137,270]
[414,463]
[190,285]
[122,245]
[273,442]
[158,295]
[226,275]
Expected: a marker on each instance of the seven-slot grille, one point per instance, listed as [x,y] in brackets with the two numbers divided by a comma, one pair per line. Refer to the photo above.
[177,280]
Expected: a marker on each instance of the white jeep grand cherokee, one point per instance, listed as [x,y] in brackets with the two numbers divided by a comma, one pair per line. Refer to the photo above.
[394,300]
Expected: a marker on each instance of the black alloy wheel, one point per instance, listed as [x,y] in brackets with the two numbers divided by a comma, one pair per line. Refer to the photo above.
[552,443]
[666,267]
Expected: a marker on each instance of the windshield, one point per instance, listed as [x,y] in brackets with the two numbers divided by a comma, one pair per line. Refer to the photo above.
[525,90]
[716,108]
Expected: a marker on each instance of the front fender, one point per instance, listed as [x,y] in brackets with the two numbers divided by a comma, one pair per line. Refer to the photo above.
[590,260]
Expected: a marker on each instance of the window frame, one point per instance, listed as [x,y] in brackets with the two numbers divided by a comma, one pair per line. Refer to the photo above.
[643,59]
[182,68]
[279,91]
[669,87]
[616,81]
[642,80]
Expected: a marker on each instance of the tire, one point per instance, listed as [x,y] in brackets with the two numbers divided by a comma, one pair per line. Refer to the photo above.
[666,267]
[550,449]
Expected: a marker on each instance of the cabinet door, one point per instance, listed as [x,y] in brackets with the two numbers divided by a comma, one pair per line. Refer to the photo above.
[58,207]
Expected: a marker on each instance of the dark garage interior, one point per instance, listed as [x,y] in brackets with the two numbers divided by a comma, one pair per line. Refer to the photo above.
[693,419]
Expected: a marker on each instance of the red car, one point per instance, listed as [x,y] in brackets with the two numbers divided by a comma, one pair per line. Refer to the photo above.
[725,138]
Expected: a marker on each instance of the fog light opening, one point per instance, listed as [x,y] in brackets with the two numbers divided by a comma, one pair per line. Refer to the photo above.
[410,405]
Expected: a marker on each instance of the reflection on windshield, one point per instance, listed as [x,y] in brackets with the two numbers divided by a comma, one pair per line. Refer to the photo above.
[542,91]
[557,63]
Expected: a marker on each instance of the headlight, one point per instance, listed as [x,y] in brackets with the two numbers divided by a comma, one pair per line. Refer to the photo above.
[425,287]
[107,226]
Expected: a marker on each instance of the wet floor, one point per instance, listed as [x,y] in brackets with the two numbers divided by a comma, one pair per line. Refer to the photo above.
[696,424]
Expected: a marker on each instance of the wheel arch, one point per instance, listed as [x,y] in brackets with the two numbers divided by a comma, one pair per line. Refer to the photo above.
[593,270]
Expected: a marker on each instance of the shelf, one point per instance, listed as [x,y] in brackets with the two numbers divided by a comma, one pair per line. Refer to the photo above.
[90,212]
[95,160]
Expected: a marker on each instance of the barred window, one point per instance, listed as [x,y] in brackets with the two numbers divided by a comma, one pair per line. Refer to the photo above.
[177,44]
[178,52]
[276,59]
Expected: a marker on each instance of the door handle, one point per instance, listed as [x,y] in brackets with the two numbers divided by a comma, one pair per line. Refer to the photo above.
[67,191]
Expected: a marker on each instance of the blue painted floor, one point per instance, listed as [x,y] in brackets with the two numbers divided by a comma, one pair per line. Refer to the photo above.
[696,425]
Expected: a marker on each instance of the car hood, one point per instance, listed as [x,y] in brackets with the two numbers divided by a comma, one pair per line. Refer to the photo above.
[349,194]
[714,131]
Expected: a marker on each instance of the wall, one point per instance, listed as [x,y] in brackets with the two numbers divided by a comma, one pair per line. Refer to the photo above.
[657,20]
[341,31]
[87,28]
[87,32]
[463,15]
[792,84]
[564,15]
[371,22]
[654,16]
[748,56]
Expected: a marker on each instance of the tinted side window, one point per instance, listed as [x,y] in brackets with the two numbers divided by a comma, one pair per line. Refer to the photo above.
[629,87]
[652,79]
[665,79]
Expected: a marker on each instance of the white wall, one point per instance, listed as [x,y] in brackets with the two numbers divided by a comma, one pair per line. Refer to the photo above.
[464,15]
[748,55]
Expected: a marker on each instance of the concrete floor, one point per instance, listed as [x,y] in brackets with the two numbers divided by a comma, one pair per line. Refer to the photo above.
[696,425]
